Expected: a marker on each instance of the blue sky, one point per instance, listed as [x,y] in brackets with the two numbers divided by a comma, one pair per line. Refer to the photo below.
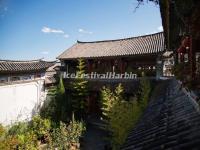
[33,29]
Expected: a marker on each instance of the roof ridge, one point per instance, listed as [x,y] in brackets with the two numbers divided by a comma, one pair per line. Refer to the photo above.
[8,60]
[82,42]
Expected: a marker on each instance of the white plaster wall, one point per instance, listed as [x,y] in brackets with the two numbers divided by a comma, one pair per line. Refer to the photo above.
[18,100]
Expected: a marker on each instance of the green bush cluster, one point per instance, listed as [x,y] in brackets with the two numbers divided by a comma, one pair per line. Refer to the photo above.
[121,115]
[66,137]
[31,135]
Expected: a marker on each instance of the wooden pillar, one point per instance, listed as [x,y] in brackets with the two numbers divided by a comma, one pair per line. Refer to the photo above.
[192,58]
[121,66]
[112,62]
[67,66]
[90,66]
[181,57]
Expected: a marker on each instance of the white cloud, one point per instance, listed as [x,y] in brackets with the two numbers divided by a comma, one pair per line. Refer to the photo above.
[45,52]
[160,28]
[50,30]
[84,31]
[66,36]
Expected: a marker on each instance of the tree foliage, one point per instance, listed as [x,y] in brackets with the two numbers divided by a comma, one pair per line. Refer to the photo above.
[79,91]
[67,136]
[41,127]
[57,105]
[154,1]
[121,115]
[144,92]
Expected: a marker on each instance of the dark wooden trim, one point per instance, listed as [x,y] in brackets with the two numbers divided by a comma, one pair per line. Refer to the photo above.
[115,57]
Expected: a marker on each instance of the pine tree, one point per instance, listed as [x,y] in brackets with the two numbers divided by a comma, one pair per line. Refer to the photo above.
[80,91]
[64,107]
[61,88]
[57,106]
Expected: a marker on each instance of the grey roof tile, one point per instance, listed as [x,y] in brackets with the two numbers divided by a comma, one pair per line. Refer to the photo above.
[9,66]
[153,43]
[169,122]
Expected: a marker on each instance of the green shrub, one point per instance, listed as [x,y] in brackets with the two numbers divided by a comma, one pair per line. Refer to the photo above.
[9,143]
[75,130]
[59,137]
[2,130]
[64,137]
[19,136]
[121,115]
[144,92]
[18,128]
[40,127]
[30,135]
[28,141]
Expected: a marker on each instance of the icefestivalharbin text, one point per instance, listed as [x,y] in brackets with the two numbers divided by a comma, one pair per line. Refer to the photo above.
[107,75]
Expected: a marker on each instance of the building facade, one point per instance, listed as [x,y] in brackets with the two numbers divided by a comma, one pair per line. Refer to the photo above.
[22,88]
[131,55]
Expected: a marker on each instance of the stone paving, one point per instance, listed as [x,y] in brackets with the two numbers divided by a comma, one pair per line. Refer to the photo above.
[94,138]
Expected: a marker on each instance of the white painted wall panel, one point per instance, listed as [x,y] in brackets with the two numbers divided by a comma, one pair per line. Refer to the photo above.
[17,101]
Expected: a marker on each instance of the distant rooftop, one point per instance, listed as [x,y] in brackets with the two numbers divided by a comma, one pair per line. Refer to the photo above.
[13,66]
[147,44]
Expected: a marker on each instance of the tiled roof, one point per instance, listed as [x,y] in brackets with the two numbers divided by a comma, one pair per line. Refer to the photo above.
[171,121]
[148,44]
[11,66]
